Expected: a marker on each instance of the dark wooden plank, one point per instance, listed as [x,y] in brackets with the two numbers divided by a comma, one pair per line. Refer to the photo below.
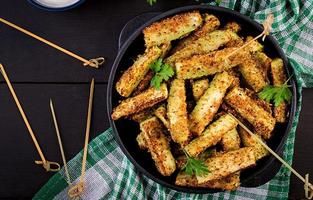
[91,30]
[303,160]
[19,176]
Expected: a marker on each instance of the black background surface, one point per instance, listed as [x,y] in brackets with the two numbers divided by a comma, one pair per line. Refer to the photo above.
[40,73]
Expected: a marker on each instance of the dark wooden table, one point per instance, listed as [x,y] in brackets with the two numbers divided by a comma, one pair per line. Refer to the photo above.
[39,73]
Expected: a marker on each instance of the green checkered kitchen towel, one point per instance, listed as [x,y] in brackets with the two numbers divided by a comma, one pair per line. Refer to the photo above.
[110,175]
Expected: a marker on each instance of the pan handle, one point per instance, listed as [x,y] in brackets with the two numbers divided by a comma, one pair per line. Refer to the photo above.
[134,24]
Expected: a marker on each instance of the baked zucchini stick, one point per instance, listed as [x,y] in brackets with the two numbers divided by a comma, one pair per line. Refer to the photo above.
[142,115]
[232,26]
[255,46]
[262,121]
[211,136]
[207,64]
[134,74]
[144,100]
[231,140]
[227,163]
[263,63]
[141,141]
[158,146]
[144,83]
[230,182]
[279,78]
[209,103]
[210,24]
[177,112]
[161,113]
[252,74]
[171,28]
[249,141]
[199,87]
[209,42]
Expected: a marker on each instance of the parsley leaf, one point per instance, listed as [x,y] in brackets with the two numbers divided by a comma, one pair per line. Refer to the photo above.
[218,2]
[195,166]
[151,2]
[162,72]
[277,94]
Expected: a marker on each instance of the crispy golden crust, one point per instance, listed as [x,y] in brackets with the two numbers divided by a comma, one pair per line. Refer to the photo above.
[209,42]
[161,113]
[177,112]
[230,140]
[230,182]
[232,26]
[261,120]
[158,146]
[134,74]
[211,136]
[227,163]
[142,115]
[199,87]
[209,103]
[252,74]
[279,78]
[254,46]
[210,24]
[144,83]
[144,100]
[207,64]
[249,141]
[263,63]
[141,141]
[171,28]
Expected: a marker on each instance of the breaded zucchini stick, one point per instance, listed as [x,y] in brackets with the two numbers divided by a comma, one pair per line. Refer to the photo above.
[279,78]
[144,100]
[262,121]
[209,103]
[207,64]
[263,63]
[161,113]
[199,87]
[252,74]
[142,115]
[249,141]
[255,46]
[158,146]
[177,112]
[171,28]
[211,136]
[209,42]
[144,83]
[230,182]
[210,24]
[227,163]
[141,141]
[232,26]
[134,74]
[231,140]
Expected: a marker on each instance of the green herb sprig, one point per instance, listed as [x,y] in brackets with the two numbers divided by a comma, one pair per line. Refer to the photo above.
[151,2]
[195,166]
[277,94]
[162,72]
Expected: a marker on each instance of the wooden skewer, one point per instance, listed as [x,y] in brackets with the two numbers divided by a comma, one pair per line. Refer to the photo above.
[267,25]
[307,185]
[95,62]
[46,164]
[60,142]
[79,187]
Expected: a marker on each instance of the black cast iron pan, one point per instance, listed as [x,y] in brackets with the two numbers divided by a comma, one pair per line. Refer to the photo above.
[131,44]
